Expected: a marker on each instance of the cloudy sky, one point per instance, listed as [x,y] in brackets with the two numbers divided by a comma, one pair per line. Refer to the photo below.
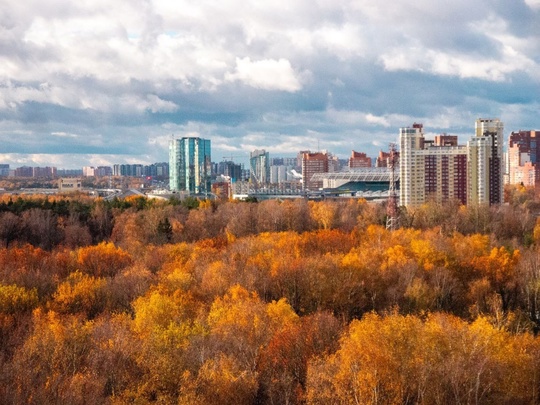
[94,82]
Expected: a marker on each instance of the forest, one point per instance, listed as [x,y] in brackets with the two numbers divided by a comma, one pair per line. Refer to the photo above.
[142,301]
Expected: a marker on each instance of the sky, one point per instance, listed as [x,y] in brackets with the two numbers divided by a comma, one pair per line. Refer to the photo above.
[98,82]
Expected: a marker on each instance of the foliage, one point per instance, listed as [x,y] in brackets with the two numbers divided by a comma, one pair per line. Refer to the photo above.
[298,302]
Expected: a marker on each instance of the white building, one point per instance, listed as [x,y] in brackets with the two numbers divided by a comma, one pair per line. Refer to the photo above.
[486,162]
[259,164]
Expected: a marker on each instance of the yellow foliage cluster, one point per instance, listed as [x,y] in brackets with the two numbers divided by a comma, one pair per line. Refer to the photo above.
[403,359]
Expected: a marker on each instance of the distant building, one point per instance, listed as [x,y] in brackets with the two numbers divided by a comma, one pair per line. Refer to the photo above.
[69,172]
[440,169]
[131,170]
[383,158]
[69,185]
[190,165]
[88,171]
[221,188]
[523,158]
[230,169]
[157,170]
[259,164]
[35,172]
[103,171]
[313,163]
[486,162]
[24,171]
[359,159]
[44,172]
[284,161]
[282,168]
[100,171]
[4,170]
[282,174]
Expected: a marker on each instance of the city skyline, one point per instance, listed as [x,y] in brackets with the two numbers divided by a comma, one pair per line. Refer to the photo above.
[100,83]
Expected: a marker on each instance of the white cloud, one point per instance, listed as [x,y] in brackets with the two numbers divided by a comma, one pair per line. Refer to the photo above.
[454,64]
[64,135]
[349,117]
[535,4]
[156,104]
[267,74]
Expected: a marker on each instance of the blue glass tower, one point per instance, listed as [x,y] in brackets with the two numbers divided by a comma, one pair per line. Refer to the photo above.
[190,165]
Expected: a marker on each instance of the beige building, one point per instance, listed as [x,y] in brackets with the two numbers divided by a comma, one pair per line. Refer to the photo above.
[486,162]
[69,185]
[440,169]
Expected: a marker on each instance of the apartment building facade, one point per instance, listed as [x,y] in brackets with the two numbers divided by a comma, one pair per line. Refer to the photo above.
[441,169]
[259,166]
[313,163]
[523,158]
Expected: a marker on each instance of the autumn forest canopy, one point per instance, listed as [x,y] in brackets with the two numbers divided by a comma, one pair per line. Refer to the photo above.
[296,302]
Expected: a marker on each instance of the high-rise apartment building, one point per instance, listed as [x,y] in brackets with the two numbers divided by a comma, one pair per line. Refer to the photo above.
[41,172]
[100,171]
[431,169]
[523,158]
[190,165]
[485,162]
[131,170]
[440,169]
[313,163]
[88,171]
[259,165]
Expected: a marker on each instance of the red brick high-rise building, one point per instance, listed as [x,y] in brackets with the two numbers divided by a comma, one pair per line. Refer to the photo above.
[313,163]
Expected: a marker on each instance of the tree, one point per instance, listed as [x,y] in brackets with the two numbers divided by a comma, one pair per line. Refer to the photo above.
[404,359]
[220,380]
[76,235]
[323,213]
[10,225]
[165,326]
[16,300]
[284,361]
[499,267]
[52,361]
[165,230]
[41,228]
[102,260]
[239,325]
[101,221]
[80,294]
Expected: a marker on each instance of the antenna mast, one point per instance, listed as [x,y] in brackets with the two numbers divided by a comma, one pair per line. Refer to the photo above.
[392,212]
